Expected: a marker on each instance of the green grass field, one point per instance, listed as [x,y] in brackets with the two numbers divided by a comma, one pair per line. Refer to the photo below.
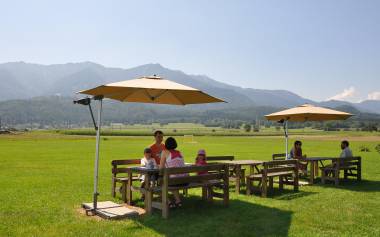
[44,177]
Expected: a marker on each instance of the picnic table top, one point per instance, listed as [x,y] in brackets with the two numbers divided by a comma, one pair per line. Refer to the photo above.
[243,162]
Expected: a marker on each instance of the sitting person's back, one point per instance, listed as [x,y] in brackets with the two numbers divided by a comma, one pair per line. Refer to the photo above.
[346,151]
[170,158]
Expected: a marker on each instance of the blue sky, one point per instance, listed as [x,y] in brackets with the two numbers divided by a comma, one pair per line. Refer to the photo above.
[317,49]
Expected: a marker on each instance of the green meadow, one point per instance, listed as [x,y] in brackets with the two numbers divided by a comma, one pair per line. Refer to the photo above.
[44,177]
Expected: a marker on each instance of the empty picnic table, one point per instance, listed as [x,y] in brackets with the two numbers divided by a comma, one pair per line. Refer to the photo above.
[237,165]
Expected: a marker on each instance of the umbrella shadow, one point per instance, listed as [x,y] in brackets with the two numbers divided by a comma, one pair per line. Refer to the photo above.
[240,218]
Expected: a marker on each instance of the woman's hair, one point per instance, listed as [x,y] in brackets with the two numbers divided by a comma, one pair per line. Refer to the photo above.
[170,143]
[298,143]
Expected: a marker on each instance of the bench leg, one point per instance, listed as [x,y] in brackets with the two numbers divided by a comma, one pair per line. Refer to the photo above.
[129,189]
[248,186]
[264,189]
[113,188]
[359,171]
[336,176]
[204,193]
[242,177]
[323,178]
[281,182]
[124,191]
[237,180]
[185,192]
[271,184]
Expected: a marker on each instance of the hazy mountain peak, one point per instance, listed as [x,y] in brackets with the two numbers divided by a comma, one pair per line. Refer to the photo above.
[26,80]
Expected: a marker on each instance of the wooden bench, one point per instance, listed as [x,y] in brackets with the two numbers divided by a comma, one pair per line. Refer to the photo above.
[302,165]
[351,168]
[217,176]
[232,172]
[271,169]
[119,175]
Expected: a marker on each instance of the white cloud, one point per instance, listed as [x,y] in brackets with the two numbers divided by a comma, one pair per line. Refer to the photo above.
[347,94]
[374,95]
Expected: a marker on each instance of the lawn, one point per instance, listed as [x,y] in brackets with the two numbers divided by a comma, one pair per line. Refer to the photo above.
[44,177]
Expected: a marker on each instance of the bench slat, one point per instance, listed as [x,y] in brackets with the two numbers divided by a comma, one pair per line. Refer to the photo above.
[194,178]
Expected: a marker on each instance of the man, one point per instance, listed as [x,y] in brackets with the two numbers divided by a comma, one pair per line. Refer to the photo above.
[157,147]
[346,151]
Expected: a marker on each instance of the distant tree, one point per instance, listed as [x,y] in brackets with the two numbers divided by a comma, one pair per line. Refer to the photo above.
[247,127]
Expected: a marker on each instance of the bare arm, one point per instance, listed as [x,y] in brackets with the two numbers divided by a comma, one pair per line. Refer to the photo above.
[164,154]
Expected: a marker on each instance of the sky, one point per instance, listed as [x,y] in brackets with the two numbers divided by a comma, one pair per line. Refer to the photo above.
[325,49]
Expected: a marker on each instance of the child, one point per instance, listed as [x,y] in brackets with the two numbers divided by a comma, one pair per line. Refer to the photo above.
[201,160]
[150,163]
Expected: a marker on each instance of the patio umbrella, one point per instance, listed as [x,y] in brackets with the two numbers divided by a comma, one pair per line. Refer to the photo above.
[152,89]
[303,113]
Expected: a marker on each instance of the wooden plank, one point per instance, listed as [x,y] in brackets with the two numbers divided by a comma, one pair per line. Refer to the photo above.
[194,178]
[216,158]
[194,168]
[281,169]
[125,162]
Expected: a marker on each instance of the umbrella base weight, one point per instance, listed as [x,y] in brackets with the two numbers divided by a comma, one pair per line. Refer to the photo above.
[109,210]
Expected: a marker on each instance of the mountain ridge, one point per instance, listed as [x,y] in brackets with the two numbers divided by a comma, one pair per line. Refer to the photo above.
[26,80]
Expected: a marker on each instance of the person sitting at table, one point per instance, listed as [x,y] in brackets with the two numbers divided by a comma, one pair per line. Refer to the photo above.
[148,162]
[170,157]
[201,160]
[157,147]
[346,151]
[296,153]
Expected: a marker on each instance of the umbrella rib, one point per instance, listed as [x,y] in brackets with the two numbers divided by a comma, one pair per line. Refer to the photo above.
[156,96]
[178,98]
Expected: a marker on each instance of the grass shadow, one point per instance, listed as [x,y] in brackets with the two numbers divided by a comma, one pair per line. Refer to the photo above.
[200,218]
[354,185]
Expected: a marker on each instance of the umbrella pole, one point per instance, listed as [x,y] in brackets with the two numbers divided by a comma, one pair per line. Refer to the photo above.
[286,140]
[96,170]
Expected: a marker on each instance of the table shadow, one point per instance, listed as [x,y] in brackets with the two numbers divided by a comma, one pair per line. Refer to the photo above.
[200,218]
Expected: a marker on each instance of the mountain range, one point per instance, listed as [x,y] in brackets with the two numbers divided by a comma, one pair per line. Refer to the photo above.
[20,80]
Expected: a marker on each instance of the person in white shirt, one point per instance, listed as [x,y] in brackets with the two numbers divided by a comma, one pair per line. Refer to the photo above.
[346,151]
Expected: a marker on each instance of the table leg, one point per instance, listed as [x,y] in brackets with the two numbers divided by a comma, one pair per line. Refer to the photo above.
[312,169]
[316,171]
[238,173]
[148,195]
[129,191]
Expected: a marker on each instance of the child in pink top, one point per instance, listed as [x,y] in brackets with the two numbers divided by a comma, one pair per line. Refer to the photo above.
[201,160]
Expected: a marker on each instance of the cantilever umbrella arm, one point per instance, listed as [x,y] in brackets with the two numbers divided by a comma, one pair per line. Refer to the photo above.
[97,126]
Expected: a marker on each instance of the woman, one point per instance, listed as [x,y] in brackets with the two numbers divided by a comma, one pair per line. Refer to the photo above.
[296,153]
[170,157]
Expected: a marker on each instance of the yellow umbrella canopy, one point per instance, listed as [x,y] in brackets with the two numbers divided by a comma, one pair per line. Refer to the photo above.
[152,89]
[308,112]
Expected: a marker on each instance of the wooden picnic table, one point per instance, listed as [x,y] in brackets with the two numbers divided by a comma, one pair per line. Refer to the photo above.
[314,167]
[218,176]
[237,165]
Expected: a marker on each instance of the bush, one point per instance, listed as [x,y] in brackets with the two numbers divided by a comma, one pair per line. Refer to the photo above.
[364,149]
[377,147]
